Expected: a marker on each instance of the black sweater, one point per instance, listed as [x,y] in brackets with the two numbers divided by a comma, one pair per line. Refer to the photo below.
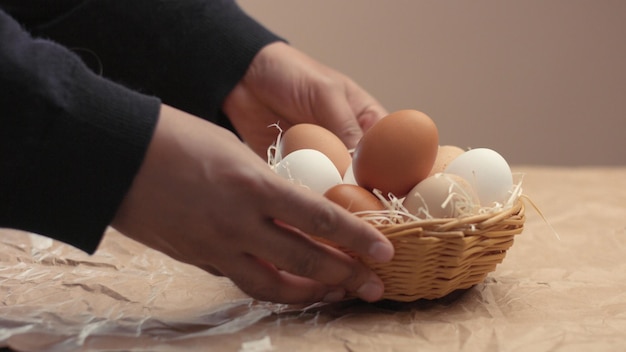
[81,83]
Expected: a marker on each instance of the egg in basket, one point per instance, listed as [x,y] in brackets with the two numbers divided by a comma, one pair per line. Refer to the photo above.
[450,213]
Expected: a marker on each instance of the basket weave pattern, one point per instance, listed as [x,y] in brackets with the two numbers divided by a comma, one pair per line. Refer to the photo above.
[436,257]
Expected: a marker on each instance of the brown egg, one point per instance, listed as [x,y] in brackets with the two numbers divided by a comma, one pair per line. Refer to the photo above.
[396,153]
[445,155]
[310,136]
[354,198]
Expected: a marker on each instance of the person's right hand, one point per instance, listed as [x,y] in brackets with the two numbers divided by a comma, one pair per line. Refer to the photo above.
[204,198]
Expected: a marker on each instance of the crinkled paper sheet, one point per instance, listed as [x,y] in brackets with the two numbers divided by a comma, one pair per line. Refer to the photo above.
[549,294]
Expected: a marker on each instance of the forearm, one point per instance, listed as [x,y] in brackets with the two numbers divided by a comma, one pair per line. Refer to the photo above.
[70,141]
[189,53]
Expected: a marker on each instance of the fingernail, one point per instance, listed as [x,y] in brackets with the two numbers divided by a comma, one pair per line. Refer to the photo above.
[334,296]
[381,251]
[370,291]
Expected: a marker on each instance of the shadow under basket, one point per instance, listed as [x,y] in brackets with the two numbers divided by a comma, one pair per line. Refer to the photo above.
[436,257]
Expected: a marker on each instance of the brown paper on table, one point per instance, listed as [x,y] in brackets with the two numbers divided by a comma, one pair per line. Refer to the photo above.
[549,294]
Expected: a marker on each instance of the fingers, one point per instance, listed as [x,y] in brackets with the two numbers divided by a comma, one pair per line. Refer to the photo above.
[334,113]
[345,108]
[264,282]
[367,110]
[327,220]
[298,254]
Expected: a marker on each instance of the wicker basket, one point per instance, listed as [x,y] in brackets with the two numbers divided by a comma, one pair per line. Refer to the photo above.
[436,257]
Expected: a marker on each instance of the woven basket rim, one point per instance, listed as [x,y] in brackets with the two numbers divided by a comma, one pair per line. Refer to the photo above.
[448,226]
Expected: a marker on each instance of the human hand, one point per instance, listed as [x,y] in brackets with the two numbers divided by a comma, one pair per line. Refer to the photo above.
[202,197]
[285,86]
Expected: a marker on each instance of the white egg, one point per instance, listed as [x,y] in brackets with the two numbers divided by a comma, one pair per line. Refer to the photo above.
[309,168]
[442,196]
[348,178]
[488,173]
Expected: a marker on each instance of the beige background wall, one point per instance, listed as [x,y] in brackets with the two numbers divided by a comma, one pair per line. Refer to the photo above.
[542,82]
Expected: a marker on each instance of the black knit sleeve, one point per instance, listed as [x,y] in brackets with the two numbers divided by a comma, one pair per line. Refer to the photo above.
[188,53]
[70,141]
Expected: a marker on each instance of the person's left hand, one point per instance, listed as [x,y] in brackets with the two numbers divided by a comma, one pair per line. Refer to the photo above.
[285,86]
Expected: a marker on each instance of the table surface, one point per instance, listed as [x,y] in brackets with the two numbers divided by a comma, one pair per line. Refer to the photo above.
[561,287]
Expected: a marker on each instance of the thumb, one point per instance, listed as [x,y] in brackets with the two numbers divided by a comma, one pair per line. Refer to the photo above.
[348,114]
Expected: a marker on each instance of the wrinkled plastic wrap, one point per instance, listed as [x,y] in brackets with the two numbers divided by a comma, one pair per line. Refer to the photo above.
[551,293]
